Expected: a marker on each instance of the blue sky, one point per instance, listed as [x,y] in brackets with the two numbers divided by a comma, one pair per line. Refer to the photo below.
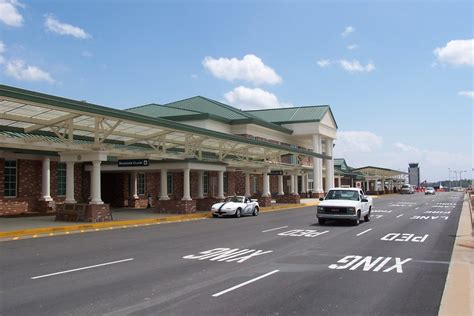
[398,75]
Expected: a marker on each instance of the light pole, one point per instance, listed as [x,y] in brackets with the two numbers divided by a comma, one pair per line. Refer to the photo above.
[460,177]
[449,182]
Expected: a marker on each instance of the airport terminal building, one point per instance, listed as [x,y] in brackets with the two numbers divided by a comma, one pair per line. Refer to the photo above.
[178,157]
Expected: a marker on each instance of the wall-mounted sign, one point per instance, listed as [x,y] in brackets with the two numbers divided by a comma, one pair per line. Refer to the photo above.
[358,184]
[276,173]
[133,163]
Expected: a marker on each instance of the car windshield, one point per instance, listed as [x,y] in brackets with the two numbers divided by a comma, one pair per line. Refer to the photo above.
[237,199]
[429,188]
[342,195]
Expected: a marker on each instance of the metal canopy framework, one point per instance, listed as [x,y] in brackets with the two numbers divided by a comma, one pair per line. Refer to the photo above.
[377,172]
[35,121]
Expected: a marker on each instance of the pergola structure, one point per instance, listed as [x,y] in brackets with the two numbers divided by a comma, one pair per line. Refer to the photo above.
[381,180]
[78,131]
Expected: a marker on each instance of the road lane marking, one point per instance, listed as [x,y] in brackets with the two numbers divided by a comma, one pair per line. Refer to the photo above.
[83,268]
[227,254]
[303,233]
[245,283]
[365,231]
[368,263]
[416,208]
[400,215]
[269,230]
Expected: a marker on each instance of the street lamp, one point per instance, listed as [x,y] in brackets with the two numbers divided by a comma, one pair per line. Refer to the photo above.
[449,176]
[460,177]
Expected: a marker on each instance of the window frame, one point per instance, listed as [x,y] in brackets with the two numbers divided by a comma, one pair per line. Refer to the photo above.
[5,167]
[61,174]
[141,187]
[169,183]
[205,182]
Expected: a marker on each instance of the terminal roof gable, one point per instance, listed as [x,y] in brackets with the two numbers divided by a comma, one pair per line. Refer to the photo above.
[379,172]
[301,114]
[81,126]
[201,108]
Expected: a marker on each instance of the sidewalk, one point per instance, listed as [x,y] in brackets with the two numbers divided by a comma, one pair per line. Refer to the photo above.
[458,296]
[44,226]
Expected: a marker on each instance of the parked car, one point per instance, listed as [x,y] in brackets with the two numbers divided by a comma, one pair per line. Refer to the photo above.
[344,203]
[430,190]
[236,206]
[407,189]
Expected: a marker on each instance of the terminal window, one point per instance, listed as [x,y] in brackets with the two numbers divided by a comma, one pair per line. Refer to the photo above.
[10,178]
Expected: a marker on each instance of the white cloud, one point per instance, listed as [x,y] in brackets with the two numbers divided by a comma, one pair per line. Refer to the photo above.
[20,71]
[406,148]
[250,68]
[347,31]
[469,94]
[456,52]
[355,66]
[2,50]
[352,46]
[323,63]
[357,141]
[253,99]
[55,26]
[9,13]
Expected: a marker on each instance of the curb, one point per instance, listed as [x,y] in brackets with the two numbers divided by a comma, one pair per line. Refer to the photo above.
[90,227]
[458,294]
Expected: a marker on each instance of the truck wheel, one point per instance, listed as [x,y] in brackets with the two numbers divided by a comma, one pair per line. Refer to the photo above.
[321,221]
[367,217]
[356,222]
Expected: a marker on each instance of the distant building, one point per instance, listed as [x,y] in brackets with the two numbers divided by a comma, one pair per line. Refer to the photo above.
[414,174]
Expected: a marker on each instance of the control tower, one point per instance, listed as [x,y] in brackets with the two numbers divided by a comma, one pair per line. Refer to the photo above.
[414,174]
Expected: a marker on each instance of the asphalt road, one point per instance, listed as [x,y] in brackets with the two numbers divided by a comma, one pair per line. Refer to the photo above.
[278,263]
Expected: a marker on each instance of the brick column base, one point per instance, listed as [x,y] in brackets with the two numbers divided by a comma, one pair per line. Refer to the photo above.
[176,206]
[46,206]
[98,213]
[263,201]
[206,203]
[133,202]
[317,195]
[294,199]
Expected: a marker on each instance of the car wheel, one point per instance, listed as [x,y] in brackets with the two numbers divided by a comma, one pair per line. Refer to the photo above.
[321,221]
[255,211]
[367,217]
[215,215]
[238,213]
[356,222]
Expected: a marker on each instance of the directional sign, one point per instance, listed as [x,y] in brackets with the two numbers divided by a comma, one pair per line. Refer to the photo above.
[133,163]
[276,173]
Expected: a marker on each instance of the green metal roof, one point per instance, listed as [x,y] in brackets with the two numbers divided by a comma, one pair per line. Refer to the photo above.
[156,110]
[293,114]
[201,108]
[81,106]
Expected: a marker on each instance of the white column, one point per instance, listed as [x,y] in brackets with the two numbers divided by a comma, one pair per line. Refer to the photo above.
[317,166]
[280,185]
[367,183]
[200,184]
[164,185]
[247,184]
[295,178]
[292,184]
[134,184]
[186,188]
[46,181]
[266,184]
[303,183]
[70,182]
[329,165]
[95,183]
[220,185]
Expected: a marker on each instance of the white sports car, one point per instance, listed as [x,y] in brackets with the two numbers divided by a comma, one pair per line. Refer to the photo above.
[236,206]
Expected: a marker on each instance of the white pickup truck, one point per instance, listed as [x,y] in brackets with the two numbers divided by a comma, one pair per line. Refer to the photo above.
[344,203]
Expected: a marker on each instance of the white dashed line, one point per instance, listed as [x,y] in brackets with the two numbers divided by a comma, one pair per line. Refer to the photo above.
[365,231]
[245,283]
[400,215]
[269,230]
[83,268]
